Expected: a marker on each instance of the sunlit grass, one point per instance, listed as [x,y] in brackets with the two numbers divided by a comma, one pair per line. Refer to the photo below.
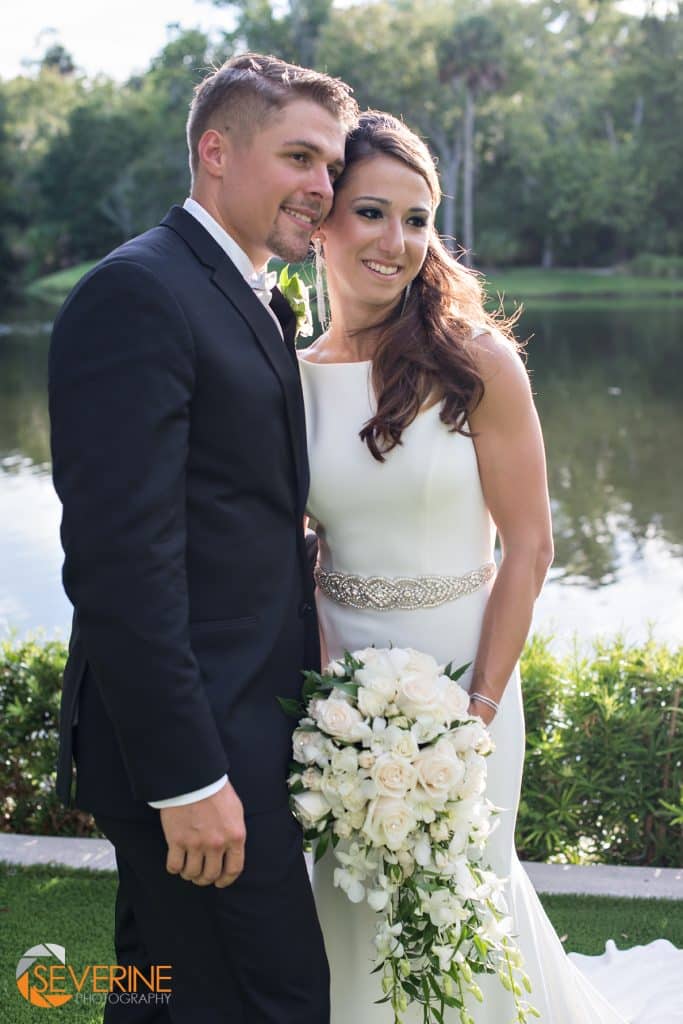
[76,909]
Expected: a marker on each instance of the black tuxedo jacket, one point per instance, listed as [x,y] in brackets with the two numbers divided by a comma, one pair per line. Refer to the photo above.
[179,454]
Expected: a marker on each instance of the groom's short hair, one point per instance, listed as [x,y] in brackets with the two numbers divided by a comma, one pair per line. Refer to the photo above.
[245,90]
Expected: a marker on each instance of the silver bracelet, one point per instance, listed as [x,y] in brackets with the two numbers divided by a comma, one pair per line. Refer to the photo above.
[485,700]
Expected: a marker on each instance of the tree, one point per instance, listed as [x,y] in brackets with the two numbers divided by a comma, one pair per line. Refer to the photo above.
[472,58]
[7,211]
[292,33]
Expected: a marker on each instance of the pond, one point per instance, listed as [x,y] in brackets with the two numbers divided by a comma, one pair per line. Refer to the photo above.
[606,375]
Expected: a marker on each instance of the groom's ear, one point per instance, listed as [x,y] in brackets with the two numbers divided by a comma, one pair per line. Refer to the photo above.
[211,152]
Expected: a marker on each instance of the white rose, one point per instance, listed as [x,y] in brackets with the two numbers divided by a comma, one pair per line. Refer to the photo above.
[352,795]
[309,747]
[401,742]
[438,773]
[474,781]
[312,778]
[338,718]
[454,700]
[342,828]
[310,808]
[418,695]
[393,776]
[344,760]
[379,673]
[468,736]
[420,663]
[335,668]
[389,822]
[371,703]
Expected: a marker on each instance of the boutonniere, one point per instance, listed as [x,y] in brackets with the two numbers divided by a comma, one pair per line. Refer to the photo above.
[296,293]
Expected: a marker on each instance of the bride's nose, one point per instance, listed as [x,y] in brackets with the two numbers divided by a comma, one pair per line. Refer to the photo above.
[392,241]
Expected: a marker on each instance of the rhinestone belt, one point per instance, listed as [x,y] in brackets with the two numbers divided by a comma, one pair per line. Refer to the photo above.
[382,593]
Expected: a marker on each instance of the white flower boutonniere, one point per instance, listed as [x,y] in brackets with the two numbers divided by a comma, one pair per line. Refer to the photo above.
[296,293]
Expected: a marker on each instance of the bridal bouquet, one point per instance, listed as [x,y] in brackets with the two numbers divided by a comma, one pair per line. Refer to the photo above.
[389,769]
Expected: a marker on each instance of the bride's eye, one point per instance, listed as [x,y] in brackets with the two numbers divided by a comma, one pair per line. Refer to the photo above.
[417,221]
[369,212]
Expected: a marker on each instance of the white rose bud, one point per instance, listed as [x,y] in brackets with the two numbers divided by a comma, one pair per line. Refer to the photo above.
[439,830]
[366,759]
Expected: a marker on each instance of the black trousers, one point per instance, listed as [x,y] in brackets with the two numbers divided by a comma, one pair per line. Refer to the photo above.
[252,953]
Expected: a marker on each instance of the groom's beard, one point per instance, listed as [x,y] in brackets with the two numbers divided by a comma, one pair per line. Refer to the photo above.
[290,242]
[287,248]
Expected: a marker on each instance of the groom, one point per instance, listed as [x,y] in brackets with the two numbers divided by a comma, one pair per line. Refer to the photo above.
[179,455]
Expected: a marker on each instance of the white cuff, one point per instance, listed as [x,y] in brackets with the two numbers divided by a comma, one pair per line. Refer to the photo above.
[190,798]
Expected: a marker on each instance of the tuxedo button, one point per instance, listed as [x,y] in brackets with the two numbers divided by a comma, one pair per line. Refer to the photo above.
[305,608]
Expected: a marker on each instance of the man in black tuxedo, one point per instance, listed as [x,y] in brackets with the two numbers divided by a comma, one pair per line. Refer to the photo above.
[179,454]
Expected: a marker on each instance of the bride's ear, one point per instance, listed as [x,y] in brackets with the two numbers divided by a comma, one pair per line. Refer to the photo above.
[318,236]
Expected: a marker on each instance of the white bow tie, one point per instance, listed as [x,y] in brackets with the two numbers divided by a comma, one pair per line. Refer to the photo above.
[263,284]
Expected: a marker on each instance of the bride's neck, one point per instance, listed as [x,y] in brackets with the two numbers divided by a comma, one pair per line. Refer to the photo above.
[350,333]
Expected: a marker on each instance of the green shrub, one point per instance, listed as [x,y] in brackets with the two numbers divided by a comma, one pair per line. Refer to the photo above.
[650,264]
[30,687]
[604,760]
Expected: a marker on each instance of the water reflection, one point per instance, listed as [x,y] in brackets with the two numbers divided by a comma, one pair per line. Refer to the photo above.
[606,378]
[607,392]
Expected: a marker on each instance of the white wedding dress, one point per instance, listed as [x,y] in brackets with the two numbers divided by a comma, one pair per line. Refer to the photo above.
[422,512]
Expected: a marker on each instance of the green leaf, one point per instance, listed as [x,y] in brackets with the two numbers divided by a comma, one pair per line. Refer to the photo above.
[291,707]
[321,847]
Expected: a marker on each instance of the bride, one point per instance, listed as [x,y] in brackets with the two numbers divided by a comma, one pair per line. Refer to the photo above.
[424,444]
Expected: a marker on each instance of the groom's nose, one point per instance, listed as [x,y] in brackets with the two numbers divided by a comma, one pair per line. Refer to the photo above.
[320,183]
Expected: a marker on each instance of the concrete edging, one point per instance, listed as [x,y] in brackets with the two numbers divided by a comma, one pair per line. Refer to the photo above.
[594,879]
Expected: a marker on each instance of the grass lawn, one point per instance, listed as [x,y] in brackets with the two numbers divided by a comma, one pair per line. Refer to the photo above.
[75,909]
[517,284]
[534,282]
[55,287]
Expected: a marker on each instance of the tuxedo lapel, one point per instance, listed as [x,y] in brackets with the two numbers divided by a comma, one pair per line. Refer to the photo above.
[227,278]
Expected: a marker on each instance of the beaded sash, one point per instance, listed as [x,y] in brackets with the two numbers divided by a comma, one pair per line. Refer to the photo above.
[383,593]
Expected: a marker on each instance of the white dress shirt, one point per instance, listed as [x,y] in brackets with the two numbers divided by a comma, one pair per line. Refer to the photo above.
[246,269]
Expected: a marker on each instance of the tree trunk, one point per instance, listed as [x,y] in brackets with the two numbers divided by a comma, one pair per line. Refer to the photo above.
[468,178]
[547,259]
[449,163]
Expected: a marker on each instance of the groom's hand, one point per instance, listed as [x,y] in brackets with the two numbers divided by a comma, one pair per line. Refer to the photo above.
[206,839]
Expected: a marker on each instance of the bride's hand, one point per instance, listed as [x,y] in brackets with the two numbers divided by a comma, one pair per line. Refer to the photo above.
[481,710]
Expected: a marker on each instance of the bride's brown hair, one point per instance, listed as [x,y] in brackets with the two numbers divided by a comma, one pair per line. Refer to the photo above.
[424,349]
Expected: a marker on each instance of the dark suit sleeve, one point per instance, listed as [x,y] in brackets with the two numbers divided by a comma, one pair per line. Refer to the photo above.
[121,378]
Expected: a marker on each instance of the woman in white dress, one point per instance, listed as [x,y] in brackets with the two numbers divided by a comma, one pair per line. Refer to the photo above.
[424,444]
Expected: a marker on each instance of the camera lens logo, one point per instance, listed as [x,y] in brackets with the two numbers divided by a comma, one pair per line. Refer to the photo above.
[33,975]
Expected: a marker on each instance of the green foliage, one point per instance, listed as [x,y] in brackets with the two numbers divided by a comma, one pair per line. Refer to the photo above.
[30,688]
[649,264]
[553,126]
[604,760]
